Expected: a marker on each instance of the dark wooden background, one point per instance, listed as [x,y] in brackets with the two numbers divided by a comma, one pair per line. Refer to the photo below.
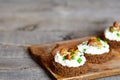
[28,22]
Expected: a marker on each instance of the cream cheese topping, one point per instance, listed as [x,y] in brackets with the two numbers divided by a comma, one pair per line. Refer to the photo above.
[115,35]
[70,63]
[92,49]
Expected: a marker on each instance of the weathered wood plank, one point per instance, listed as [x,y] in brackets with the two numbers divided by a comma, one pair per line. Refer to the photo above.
[13,52]
[111,78]
[29,22]
[16,63]
[22,38]
[55,13]
[25,74]
[13,57]
[40,37]
[34,75]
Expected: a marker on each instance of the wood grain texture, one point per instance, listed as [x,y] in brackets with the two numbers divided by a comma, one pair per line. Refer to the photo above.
[43,52]
[16,64]
[25,74]
[30,22]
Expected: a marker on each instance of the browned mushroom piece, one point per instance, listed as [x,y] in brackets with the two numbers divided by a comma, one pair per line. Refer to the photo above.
[68,57]
[115,27]
[63,51]
[111,29]
[71,50]
[115,24]
[75,52]
[91,40]
[94,42]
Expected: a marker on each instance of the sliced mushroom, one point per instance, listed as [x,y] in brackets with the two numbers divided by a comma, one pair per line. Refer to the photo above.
[94,42]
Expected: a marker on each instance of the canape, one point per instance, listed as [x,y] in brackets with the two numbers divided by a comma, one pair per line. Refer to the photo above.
[69,62]
[112,35]
[95,50]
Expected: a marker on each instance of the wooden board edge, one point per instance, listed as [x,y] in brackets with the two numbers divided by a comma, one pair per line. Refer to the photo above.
[98,75]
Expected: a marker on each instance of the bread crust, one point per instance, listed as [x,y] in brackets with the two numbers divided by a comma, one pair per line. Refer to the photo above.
[114,44]
[98,59]
[69,71]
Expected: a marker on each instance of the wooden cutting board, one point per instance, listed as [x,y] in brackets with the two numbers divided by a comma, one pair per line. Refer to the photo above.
[41,54]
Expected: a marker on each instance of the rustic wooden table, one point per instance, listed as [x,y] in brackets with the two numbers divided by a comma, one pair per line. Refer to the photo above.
[28,22]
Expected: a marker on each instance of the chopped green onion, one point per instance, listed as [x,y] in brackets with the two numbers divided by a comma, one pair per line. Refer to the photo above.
[98,39]
[84,50]
[81,55]
[104,46]
[105,41]
[72,53]
[73,57]
[79,60]
[111,30]
[64,57]
[118,34]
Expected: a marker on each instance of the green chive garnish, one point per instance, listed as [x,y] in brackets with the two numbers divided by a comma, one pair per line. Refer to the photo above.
[104,46]
[105,41]
[79,60]
[98,39]
[64,57]
[73,57]
[118,34]
[81,55]
[84,50]
[72,53]
[111,30]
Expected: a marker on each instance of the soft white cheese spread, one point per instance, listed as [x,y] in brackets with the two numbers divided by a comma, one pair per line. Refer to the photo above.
[83,47]
[115,35]
[78,61]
